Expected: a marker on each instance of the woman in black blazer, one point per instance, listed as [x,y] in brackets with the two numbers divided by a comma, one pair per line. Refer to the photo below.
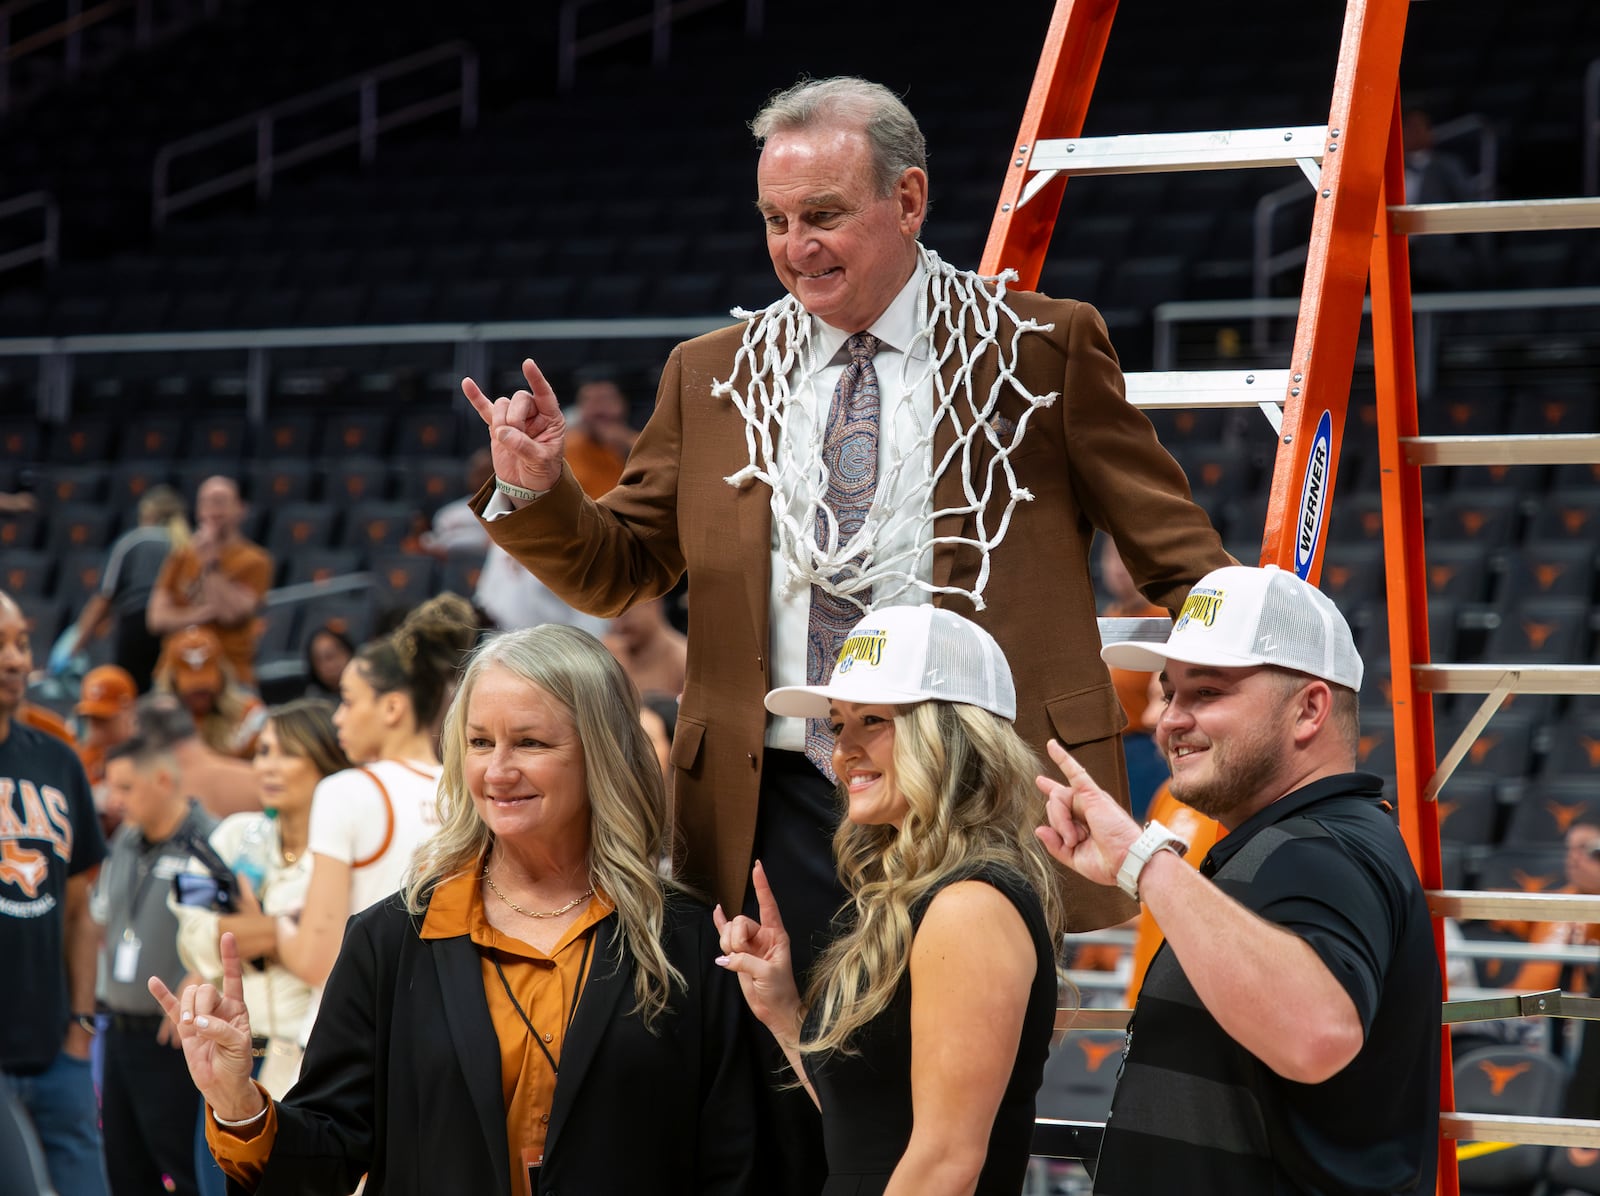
[537,1011]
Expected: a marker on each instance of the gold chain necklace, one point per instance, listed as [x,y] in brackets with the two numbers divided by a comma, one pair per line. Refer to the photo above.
[530,913]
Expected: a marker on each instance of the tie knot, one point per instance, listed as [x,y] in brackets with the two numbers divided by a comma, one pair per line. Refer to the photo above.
[863,347]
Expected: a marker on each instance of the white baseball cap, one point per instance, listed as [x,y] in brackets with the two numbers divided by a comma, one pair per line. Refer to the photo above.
[1241,616]
[905,654]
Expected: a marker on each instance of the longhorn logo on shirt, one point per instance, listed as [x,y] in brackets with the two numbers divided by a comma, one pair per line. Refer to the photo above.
[23,867]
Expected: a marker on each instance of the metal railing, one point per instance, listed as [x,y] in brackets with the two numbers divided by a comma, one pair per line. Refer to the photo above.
[1268,264]
[655,24]
[267,157]
[67,32]
[42,205]
[57,356]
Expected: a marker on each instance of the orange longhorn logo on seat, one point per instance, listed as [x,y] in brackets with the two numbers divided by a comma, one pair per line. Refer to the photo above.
[1499,1076]
[1096,1053]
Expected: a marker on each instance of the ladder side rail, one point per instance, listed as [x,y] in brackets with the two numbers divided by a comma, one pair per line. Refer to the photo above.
[1074,47]
[1394,369]
[1323,359]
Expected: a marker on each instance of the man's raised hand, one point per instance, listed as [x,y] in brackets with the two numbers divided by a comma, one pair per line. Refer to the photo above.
[527,432]
[1087,830]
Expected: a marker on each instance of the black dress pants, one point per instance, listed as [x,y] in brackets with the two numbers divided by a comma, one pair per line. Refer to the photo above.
[148,1110]
[795,821]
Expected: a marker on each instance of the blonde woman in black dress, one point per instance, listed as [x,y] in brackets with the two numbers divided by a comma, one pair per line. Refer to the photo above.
[924,1035]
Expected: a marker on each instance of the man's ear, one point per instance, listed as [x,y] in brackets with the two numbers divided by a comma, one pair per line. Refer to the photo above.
[1313,708]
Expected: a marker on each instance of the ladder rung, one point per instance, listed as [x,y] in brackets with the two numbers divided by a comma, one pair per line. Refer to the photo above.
[1150,630]
[1139,153]
[1495,216]
[1538,1131]
[1551,1003]
[1474,904]
[1525,678]
[1564,449]
[1207,388]
[1071,1018]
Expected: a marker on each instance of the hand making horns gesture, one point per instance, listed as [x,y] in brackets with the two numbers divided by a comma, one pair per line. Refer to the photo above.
[1088,831]
[214,1029]
[527,432]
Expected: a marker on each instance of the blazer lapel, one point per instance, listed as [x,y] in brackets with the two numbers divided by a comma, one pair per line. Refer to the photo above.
[610,981]
[477,1048]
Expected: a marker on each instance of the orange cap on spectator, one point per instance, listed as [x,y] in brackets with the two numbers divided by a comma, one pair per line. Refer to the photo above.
[106,691]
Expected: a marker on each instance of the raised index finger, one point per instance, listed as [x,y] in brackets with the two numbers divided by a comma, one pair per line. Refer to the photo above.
[232,973]
[766,903]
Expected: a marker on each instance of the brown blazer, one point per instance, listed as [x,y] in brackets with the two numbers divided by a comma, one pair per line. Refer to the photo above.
[1090,461]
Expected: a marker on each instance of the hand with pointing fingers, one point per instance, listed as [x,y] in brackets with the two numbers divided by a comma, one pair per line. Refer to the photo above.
[214,1028]
[759,953]
[1087,830]
[527,432]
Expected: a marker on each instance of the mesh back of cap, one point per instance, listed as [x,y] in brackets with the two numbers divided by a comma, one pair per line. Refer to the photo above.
[963,666]
[1307,632]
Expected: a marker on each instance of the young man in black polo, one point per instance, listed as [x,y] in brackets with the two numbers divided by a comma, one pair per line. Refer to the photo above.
[1287,1035]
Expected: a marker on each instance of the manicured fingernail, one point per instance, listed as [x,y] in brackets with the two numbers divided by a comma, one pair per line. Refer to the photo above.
[187,1016]
[202,1022]
[721,961]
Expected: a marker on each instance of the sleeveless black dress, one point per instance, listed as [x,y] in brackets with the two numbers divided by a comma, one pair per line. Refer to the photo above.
[866,1096]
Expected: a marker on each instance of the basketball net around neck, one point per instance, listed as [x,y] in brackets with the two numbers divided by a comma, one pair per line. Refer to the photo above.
[778,347]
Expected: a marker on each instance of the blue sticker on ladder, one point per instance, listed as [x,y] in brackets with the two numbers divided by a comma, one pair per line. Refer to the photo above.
[1313,497]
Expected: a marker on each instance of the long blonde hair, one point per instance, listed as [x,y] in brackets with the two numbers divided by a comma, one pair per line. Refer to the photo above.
[968,780]
[627,801]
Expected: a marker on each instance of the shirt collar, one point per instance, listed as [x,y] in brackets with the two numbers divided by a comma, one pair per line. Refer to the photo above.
[455,910]
[896,327]
[1361,785]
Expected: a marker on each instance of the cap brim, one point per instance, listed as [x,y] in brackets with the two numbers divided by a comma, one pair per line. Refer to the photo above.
[1152,658]
[812,701]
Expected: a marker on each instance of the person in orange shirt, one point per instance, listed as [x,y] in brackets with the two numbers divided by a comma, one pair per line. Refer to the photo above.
[600,438]
[107,718]
[533,938]
[195,668]
[217,580]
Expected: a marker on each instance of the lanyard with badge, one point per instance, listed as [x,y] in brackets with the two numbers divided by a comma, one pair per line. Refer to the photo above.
[125,959]
[532,1160]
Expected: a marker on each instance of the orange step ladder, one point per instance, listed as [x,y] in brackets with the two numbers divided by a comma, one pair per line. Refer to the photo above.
[1355,163]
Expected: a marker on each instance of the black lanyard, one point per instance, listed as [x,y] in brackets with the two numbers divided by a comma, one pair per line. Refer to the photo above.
[577,990]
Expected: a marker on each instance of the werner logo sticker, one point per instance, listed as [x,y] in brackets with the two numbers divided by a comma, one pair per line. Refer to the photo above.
[1313,497]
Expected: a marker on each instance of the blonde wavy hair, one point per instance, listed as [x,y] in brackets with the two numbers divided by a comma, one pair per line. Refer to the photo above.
[968,780]
[627,801]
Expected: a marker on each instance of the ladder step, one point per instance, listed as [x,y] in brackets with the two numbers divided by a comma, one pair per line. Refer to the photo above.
[1566,449]
[1141,153]
[1524,678]
[1495,906]
[1538,1131]
[1495,216]
[1150,630]
[1207,388]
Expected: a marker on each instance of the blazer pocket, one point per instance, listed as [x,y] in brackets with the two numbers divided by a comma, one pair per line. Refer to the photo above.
[686,743]
[1087,715]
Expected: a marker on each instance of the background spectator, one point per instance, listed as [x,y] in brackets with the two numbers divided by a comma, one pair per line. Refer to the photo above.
[328,650]
[46,932]
[455,528]
[194,668]
[216,580]
[106,718]
[222,784]
[132,567]
[600,437]
[651,650]
[147,1106]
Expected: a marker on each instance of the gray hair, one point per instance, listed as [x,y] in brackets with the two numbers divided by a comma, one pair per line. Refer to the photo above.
[896,139]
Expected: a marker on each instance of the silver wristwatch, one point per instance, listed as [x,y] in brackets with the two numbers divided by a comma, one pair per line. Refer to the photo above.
[1154,838]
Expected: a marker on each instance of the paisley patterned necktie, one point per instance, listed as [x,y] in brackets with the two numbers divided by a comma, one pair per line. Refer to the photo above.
[850,452]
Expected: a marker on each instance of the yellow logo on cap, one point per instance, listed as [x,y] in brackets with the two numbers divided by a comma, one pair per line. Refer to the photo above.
[864,645]
[1201,606]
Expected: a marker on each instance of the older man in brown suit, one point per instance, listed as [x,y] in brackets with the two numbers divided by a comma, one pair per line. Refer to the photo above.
[1001,438]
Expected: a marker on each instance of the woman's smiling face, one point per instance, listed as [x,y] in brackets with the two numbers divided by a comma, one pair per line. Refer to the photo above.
[863,760]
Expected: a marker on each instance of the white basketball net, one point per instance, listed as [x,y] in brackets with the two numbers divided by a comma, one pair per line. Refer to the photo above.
[777,346]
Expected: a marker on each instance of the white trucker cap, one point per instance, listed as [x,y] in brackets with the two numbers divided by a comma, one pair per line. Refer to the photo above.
[1241,616]
[905,654]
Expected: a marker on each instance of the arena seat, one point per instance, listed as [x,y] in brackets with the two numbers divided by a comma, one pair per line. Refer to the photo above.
[1507,1080]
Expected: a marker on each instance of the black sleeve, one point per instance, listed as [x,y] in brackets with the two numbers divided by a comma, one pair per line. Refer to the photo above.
[727,1131]
[1316,889]
[325,1124]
